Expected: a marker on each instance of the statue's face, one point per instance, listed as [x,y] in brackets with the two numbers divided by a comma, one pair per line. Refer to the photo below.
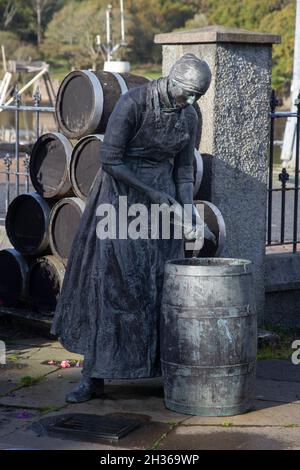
[182,96]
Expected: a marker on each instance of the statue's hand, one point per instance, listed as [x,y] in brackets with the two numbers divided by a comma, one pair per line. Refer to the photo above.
[193,228]
[192,232]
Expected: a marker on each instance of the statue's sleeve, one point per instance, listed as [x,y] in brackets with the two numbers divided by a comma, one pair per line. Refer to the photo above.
[183,162]
[119,131]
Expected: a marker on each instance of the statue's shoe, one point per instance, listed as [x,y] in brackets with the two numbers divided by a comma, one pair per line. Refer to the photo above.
[87,389]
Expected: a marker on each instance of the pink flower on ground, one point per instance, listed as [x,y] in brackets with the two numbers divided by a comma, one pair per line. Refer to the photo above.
[52,363]
[65,364]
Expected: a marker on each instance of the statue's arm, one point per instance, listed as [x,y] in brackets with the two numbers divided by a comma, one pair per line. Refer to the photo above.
[184,168]
[184,178]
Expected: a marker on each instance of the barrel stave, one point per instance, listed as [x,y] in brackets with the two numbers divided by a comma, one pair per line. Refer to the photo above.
[212,392]
[85,164]
[209,341]
[111,92]
[196,291]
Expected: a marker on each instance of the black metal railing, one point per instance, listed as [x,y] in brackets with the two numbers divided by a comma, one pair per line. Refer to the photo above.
[17,154]
[284,188]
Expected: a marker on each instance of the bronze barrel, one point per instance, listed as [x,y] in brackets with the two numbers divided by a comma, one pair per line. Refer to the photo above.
[208,336]
[85,100]
[45,279]
[85,163]
[27,223]
[49,165]
[64,222]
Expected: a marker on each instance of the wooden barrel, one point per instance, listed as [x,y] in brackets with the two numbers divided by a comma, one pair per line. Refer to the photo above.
[215,222]
[208,336]
[64,222]
[85,100]
[27,224]
[45,279]
[85,163]
[13,277]
[49,165]
[198,172]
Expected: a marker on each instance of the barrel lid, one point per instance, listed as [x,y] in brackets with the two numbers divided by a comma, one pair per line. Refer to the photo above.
[64,221]
[27,222]
[49,164]
[79,103]
[208,267]
[85,164]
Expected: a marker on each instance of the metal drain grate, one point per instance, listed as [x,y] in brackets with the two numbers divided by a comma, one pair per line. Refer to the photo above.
[91,428]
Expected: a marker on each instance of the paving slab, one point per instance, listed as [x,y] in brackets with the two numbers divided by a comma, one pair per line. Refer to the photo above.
[13,371]
[264,414]
[274,424]
[14,419]
[143,397]
[36,436]
[236,438]
[31,442]
[282,392]
[49,392]
[278,369]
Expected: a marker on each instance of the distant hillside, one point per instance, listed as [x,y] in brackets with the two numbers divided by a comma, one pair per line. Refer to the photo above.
[63,31]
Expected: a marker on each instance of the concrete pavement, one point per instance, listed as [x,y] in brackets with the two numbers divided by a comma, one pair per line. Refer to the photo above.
[32,393]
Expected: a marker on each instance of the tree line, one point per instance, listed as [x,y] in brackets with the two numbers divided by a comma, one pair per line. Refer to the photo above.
[63,32]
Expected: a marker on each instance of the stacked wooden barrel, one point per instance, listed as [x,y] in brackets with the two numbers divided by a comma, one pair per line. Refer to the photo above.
[41,226]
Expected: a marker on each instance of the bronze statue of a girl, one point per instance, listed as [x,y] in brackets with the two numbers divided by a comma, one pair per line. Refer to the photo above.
[109,307]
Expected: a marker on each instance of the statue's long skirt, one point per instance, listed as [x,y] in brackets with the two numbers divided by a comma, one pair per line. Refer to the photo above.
[109,307]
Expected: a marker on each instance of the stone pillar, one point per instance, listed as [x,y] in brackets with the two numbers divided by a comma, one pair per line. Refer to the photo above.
[235,133]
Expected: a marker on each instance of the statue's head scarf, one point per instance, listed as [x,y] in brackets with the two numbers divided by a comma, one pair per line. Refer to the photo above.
[191,73]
